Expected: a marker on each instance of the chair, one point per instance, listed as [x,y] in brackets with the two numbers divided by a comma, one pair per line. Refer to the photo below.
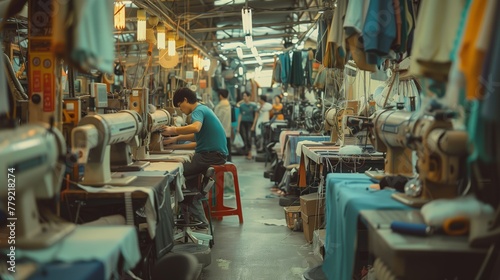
[220,210]
[185,223]
[179,266]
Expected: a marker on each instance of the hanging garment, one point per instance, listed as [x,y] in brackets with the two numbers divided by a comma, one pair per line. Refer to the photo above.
[357,51]
[277,70]
[431,52]
[378,35]
[321,42]
[490,76]
[285,68]
[297,70]
[336,30]
[472,50]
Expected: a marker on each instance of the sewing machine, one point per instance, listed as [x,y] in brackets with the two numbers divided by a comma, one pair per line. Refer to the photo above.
[441,152]
[388,130]
[32,169]
[104,140]
[152,146]
[334,122]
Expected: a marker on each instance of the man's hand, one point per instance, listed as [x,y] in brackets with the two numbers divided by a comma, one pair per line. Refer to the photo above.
[169,130]
[169,140]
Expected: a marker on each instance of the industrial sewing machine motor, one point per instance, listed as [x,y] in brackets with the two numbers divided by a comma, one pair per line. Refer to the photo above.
[441,153]
[33,163]
[99,138]
[387,132]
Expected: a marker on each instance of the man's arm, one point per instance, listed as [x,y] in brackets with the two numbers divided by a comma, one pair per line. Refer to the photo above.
[183,130]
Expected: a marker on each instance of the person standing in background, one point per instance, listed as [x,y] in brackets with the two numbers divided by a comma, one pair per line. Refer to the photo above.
[262,116]
[246,121]
[223,112]
[277,110]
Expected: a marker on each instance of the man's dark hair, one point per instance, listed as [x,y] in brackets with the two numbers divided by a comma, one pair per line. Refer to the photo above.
[182,93]
[245,92]
[223,92]
[263,98]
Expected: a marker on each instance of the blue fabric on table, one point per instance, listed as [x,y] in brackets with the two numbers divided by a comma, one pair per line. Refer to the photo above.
[91,270]
[346,195]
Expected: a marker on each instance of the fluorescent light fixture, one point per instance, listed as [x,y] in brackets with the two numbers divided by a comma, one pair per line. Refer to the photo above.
[239,51]
[254,51]
[160,40]
[171,43]
[249,41]
[260,61]
[119,17]
[246,18]
[141,25]
[240,71]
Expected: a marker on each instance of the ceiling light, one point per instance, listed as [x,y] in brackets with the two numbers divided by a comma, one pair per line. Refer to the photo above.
[246,18]
[249,41]
[160,30]
[141,25]
[254,51]
[239,51]
[119,17]
[171,43]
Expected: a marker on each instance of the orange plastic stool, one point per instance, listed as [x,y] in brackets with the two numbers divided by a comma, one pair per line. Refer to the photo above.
[219,210]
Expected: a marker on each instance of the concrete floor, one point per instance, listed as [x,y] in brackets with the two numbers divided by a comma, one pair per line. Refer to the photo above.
[258,248]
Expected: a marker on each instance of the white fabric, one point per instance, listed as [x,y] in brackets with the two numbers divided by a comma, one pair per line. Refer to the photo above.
[263,117]
[437,211]
[223,112]
[92,243]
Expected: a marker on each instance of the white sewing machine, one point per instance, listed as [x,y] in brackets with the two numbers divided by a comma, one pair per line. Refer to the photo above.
[152,147]
[32,169]
[99,139]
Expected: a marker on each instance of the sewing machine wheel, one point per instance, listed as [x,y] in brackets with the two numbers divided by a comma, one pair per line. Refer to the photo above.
[416,202]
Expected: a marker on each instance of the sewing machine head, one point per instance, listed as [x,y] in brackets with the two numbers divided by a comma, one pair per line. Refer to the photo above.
[92,141]
[33,167]
[334,122]
[156,120]
[441,153]
[388,129]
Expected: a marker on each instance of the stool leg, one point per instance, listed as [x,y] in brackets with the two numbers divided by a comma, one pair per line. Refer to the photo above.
[237,192]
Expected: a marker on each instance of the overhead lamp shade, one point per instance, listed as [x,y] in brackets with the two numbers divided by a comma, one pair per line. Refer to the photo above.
[171,42]
[160,30]
[180,43]
[119,16]
[141,25]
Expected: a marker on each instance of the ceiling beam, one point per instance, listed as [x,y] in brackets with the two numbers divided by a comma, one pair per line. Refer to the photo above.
[232,39]
[211,29]
[256,12]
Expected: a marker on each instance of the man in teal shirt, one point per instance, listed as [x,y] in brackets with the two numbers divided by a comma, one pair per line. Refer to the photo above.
[208,140]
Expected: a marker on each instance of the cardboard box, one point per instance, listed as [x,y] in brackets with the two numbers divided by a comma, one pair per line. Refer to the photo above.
[310,223]
[292,217]
[312,204]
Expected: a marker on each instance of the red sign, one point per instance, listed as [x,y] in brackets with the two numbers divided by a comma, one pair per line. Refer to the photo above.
[48,98]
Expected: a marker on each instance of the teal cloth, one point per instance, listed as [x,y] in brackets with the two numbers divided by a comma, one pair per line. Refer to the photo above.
[285,68]
[378,35]
[297,70]
[211,137]
[346,195]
